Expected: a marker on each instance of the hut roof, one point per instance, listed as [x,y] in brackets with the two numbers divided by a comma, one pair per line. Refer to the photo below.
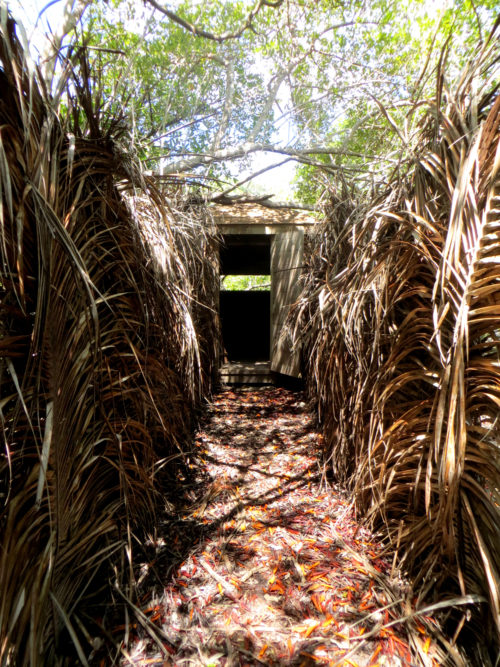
[252,214]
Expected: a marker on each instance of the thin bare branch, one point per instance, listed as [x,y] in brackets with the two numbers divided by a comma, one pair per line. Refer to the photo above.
[245,149]
[72,14]
[247,23]
[227,107]
[251,177]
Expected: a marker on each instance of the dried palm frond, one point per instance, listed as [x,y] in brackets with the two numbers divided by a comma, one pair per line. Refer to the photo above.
[99,357]
[402,311]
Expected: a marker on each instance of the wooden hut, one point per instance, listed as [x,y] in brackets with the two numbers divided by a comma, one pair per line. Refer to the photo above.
[258,240]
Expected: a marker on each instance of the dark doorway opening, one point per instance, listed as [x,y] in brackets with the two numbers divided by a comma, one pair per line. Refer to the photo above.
[246,315]
[246,323]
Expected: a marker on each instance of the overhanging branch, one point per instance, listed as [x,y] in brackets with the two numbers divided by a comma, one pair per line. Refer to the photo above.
[244,149]
[226,192]
[206,34]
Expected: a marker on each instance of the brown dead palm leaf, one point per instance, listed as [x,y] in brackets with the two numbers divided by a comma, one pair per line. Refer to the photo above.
[100,361]
[401,321]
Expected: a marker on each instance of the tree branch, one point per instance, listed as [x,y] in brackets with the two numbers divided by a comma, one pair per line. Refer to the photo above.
[266,110]
[251,177]
[228,105]
[72,13]
[178,128]
[242,150]
[281,76]
[200,32]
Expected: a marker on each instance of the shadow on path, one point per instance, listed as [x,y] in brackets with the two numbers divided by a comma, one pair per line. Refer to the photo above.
[268,567]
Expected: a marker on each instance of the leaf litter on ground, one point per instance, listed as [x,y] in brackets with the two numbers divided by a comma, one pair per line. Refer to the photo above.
[275,569]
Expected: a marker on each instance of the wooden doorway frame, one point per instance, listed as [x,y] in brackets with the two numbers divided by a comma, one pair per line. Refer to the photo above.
[287,227]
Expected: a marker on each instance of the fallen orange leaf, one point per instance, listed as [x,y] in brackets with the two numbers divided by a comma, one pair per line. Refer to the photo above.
[263,650]
[375,653]
[277,586]
[316,601]
[311,629]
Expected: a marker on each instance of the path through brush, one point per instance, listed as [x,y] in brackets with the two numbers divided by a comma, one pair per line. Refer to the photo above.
[280,572]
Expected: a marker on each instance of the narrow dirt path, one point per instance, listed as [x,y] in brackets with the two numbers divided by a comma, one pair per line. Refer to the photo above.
[275,569]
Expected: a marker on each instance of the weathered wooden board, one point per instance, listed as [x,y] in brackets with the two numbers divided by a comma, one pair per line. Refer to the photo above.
[287,251]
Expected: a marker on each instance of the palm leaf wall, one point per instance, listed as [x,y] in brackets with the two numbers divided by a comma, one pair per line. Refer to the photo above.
[402,314]
[100,362]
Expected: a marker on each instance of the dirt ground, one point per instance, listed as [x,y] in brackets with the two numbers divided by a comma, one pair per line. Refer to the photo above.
[272,568]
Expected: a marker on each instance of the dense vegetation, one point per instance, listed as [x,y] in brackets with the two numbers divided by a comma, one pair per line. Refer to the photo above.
[401,308]
[327,84]
[108,332]
[101,366]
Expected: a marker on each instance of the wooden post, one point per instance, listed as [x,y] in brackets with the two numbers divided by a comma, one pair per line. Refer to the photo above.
[287,251]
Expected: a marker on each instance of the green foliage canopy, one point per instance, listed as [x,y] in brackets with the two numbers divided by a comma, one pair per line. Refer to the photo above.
[332,85]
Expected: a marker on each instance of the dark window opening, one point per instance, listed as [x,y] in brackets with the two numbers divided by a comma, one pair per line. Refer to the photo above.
[245,255]
[245,283]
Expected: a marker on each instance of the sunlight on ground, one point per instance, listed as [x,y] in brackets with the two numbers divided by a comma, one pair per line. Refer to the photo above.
[271,567]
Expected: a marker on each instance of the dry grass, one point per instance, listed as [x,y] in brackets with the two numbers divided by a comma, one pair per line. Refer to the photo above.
[401,310]
[103,287]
